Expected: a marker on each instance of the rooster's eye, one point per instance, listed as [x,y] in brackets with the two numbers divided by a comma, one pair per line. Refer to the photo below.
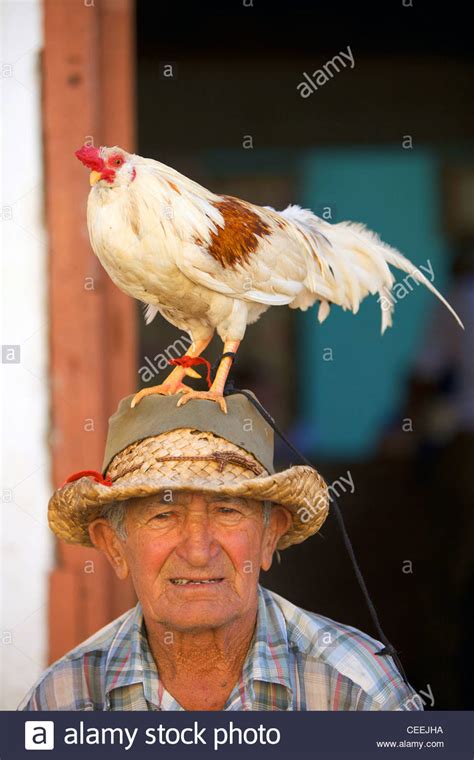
[116,161]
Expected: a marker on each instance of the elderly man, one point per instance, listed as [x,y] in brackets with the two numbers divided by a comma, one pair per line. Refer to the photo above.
[192,510]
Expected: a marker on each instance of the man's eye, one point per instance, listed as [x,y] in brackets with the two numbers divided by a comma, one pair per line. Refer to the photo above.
[228,511]
[161,516]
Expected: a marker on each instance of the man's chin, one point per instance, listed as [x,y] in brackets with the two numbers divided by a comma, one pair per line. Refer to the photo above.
[198,616]
[198,625]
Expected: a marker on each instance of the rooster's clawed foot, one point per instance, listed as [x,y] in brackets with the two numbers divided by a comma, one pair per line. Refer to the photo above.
[209,395]
[164,389]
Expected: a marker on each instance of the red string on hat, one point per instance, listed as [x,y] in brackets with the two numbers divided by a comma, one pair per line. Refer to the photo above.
[92,474]
[188,361]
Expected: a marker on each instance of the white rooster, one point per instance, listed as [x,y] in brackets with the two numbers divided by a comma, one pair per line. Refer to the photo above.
[209,262]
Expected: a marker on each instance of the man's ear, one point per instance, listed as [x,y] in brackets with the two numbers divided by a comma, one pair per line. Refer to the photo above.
[106,540]
[279,523]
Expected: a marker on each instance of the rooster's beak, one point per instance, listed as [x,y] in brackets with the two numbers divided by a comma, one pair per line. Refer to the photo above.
[94,177]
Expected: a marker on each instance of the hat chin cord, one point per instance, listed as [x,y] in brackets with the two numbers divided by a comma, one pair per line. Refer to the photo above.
[388,648]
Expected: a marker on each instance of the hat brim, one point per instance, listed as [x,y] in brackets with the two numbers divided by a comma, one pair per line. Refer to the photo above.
[300,489]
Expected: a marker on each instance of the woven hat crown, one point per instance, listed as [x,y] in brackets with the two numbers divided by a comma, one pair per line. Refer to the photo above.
[243,425]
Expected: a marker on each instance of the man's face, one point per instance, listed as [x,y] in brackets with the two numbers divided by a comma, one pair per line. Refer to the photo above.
[195,558]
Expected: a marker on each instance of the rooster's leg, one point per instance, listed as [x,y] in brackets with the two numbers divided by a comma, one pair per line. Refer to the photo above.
[173,383]
[216,391]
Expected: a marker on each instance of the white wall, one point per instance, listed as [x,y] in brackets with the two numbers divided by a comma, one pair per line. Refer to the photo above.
[26,544]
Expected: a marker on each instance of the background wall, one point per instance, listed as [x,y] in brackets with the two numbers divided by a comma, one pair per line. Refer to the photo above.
[73,330]
[26,542]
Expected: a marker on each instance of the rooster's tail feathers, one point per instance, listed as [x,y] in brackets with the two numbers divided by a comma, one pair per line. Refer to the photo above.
[352,262]
[401,262]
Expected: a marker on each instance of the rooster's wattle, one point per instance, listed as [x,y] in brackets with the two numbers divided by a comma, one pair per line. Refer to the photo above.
[210,262]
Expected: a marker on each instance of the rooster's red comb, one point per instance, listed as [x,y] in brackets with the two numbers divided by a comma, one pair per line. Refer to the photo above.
[90,157]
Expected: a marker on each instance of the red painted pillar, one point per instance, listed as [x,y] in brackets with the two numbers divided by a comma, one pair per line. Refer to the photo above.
[88,74]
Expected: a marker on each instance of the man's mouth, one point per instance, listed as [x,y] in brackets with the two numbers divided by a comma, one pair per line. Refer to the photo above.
[195,581]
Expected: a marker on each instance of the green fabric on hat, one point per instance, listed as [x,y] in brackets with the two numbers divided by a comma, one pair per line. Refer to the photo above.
[243,425]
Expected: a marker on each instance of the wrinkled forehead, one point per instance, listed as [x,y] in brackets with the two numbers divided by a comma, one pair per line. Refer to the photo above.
[188,498]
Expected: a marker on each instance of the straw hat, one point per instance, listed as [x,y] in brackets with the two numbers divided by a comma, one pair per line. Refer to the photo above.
[157,446]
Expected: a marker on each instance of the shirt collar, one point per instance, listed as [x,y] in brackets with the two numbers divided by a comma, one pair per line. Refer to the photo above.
[130,661]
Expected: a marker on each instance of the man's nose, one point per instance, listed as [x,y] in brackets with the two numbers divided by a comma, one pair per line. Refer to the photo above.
[197,545]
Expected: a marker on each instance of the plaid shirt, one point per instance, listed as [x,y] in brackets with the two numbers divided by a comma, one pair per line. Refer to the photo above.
[297,660]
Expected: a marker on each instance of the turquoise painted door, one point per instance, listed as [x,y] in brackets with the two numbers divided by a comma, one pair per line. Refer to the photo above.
[351,378]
